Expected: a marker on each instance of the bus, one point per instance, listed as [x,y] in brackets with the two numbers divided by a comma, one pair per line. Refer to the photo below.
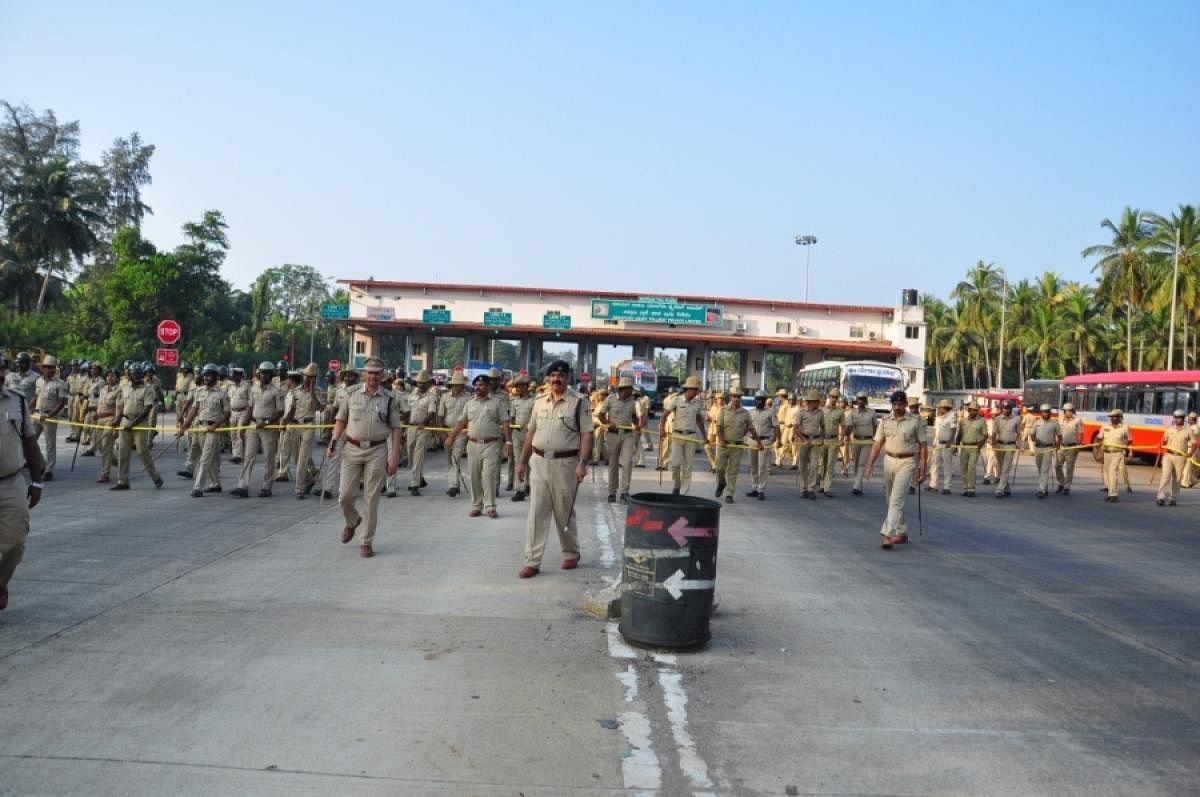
[641,371]
[1147,398]
[1042,391]
[877,379]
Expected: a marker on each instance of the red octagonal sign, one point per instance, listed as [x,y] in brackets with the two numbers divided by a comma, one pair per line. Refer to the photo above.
[169,332]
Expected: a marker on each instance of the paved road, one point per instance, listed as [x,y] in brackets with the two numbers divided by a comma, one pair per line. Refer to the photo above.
[157,643]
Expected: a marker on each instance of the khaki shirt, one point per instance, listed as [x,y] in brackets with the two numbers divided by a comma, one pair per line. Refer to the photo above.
[1044,431]
[861,423]
[1027,423]
[687,415]
[369,418]
[558,424]
[643,406]
[183,385]
[305,405]
[422,407]
[50,392]
[522,409]
[135,399]
[901,435]
[765,423]
[1177,438]
[1006,430]
[108,401]
[622,413]
[484,417]
[212,404]
[809,423]
[266,402]
[972,431]
[239,396]
[77,384]
[944,428]
[834,420]
[14,425]
[451,407]
[1117,436]
[734,424]
[95,386]
[1072,430]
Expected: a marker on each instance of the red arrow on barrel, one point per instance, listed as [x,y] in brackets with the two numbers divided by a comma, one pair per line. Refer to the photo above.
[680,531]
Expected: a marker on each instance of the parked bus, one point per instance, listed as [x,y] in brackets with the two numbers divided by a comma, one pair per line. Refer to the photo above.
[641,371]
[877,379]
[1043,391]
[1147,398]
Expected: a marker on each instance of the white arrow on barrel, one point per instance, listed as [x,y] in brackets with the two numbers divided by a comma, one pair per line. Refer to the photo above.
[675,584]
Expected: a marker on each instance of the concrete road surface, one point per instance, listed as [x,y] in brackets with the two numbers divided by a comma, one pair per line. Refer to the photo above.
[161,644]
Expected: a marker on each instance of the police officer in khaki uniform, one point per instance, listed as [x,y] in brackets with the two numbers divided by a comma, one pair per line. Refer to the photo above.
[945,430]
[368,417]
[860,429]
[687,419]
[1114,440]
[50,399]
[646,443]
[24,379]
[522,410]
[137,399]
[347,378]
[734,424]
[1006,433]
[209,412]
[834,421]
[665,427]
[266,412]
[77,389]
[289,437]
[557,441]
[901,436]
[1177,445]
[95,382]
[1071,429]
[422,412]
[307,404]
[18,449]
[1045,436]
[486,422]
[970,438]
[450,412]
[808,432]
[782,408]
[239,409]
[765,421]
[623,423]
[600,437]
[107,410]
[1192,471]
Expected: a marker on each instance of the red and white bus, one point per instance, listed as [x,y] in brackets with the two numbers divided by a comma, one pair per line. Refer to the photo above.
[1147,398]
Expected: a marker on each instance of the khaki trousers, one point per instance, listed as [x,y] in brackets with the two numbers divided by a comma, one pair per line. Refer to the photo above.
[208,473]
[1044,457]
[621,447]
[104,442]
[1004,465]
[239,418]
[858,457]
[50,432]
[286,454]
[483,461]
[760,469]
[552,499]
[682,454]
[306,471]
[600,444]
[455,454]
[131,441]
[333,468]
[14,524]
[807,457]
[1064,467]
[1173,466]
[968,461]
[1114,462]
[829,461]
[370,467]
[195,442]
[418,444]
[897,476]
[518,436]
[941,467]
[264,441]
[729,462]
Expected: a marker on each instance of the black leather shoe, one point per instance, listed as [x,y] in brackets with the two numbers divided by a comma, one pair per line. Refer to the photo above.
[752,494]
[119,487]
[214,489]
[612,498]
[197,493]
[238,492]
[158,483]
[326,494]
[264,493]
[729,499]
[720,489]
[186,474]
[452,492]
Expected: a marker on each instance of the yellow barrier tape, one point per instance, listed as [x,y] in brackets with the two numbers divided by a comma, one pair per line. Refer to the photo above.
[190,430]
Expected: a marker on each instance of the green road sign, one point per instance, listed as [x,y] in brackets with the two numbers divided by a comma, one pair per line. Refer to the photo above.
[556,321]
[435,316]
[497,319]
[658,311]
[335,311]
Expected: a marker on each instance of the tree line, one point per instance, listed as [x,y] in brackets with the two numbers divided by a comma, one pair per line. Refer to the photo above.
[79,280]
[992,330]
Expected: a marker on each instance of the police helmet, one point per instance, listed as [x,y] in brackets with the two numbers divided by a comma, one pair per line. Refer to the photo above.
[237,369]
[184,365]
[112,372]
[224,371]
[83,365]
[149,367]
[1179,414]
[760,394]
[134,369]
[898,397]
[23,357]
[266,367]
[1069,406]
[125,366]
[210,368]
[558,366]
[281,366]
[75,363]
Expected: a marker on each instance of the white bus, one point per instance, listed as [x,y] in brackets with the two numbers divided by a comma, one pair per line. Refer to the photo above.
[877,379]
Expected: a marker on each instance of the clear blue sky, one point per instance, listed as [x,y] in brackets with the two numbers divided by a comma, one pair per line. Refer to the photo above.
[664,147]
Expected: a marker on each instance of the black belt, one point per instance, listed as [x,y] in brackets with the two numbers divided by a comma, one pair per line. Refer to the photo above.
[900,456]
[685,431]
[484,440]
[370,444]
[574,452]
[306,420]
[864,437]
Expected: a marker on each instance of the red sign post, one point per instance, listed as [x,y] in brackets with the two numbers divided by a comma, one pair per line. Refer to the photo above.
[335,364]
[169,332]
[167,358]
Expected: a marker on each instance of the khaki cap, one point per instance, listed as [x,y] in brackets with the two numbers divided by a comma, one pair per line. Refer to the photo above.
[835,393]
[735,391]
[1115,413]
[1069,406]
[945,404]
[422,376]
[971,405]
[522,380]
[812,395]
[781,392]
[1044,408]
[50,360]
[626,381]
[691,383]
[373,365]
[457,379]
[311,370]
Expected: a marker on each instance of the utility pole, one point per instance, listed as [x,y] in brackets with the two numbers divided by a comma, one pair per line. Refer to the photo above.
[1003,308]
[1174,293]
[807,242]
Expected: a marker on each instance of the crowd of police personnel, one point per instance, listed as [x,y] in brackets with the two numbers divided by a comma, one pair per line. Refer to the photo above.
[354,433]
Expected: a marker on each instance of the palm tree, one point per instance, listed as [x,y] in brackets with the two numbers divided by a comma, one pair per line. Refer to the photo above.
[935,320]
[1080,323]
[979,293]
[960,342]
[1122,266]
[1040,337]
[1022,299]
[1182,227]
[55,215]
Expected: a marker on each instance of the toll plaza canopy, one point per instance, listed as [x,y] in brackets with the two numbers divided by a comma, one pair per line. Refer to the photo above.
[422,312]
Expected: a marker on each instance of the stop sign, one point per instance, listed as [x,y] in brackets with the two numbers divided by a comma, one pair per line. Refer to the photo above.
[335,364]
[585,377]
[169,332]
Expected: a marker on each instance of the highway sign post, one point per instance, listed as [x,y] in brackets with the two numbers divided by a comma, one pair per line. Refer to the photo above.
[432,316]
[556,321]
[335,312]
[659,311]
[491,319]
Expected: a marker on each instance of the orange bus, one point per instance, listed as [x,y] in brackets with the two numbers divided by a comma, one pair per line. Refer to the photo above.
[1148,399]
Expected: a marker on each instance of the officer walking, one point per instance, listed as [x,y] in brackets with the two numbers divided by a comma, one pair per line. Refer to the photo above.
[24,379]
[860,427]
[623,423]
[239,409]
[486,422]
[808,432]
[137,400]
[901,436]
[687,419]
[1046,437]
[368,418]
[209,411]
[108,409]
[450,413]
[765,421]
[945,429]
[1177,446]
[307,403]
[834,421]
[266,411]
[646,442]
[1006,431]
[1114,439]
[522,409]
[422,412]
[1071,430]
[18,449]
[333,471]
[50,399]
[558,441]
[972,434]
[733,425]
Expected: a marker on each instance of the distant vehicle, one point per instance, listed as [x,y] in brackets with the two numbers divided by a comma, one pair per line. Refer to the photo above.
[1147,399]
[877,379]
[1042,391]
[641,371]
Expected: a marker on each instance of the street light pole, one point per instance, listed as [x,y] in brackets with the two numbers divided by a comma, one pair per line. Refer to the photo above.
[1174,293]
[1003,307]
[806,241]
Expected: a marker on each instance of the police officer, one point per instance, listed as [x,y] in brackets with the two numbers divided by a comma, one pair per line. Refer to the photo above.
[486,422]
[808,431]
[646,443]
[96,381]
[24,379]
[558,441]
[18,449]
[901,436]
[1192,471]
[687,419]
[50,399]
[107,410]
[733,425]
[266,412]
[307,403]
[1177,446]
[239,408]
[765,421]
[184,381]
[522,409]
[971,435]
[1045,435]
[860,429]
[623,423]
[945,429]
[422,412]
[600,442]
[450,412]
[368,417]
[289,437]
[209,412]
[1006,432]
[77,389]
[834,421]
[137,400]
[348,378]
[1071,430]
[1114,440]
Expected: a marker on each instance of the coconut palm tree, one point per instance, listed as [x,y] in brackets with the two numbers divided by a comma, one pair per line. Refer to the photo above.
[979,293]
[1080,323]
[1182,229]
[935,321]
[1040,338]
[1123,269]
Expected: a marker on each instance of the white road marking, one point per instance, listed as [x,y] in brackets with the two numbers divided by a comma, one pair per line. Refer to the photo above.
[629,680]
[676,699]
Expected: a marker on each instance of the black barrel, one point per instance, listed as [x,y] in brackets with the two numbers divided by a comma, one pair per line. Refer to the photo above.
[670,570]
[908,297]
